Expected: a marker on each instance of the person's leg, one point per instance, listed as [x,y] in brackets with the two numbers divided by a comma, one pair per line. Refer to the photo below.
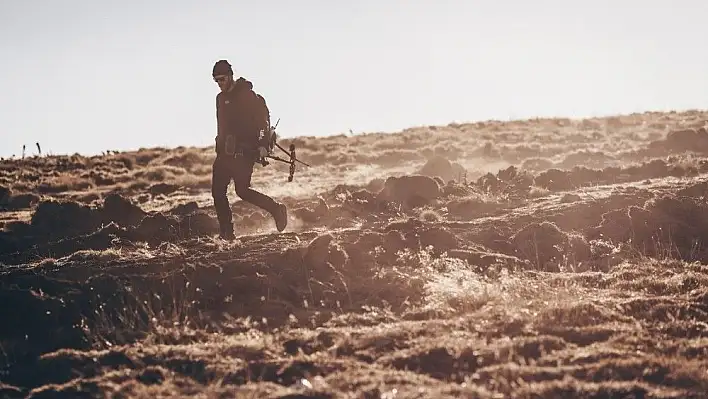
[242,180]
[220,179]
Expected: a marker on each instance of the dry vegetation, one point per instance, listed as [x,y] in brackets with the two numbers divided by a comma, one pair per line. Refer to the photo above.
[524,259]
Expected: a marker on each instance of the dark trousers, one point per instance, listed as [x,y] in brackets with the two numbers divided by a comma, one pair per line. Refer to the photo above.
[239,169]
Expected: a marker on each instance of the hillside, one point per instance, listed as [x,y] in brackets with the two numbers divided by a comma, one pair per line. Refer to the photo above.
[524,259]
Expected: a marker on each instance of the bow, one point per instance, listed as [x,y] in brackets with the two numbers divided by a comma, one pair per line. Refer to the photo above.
[291,154]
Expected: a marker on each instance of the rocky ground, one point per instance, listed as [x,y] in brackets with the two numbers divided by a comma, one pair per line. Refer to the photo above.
[524,259]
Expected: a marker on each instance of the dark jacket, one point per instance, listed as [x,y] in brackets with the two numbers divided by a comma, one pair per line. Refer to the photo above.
[241,113]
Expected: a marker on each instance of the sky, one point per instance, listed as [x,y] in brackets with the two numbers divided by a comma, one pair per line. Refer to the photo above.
[84,76]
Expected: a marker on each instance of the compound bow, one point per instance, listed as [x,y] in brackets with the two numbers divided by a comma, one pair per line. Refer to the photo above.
[291,154]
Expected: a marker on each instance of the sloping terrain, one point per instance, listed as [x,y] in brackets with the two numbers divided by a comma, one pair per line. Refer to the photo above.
[524,259]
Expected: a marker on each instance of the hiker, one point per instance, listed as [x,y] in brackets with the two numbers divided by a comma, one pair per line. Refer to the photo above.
[241,116]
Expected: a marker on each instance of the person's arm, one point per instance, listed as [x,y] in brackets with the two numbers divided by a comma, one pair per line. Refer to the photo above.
[216,138]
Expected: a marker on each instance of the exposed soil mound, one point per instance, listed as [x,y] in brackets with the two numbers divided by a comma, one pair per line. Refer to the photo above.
[697,191]
[667,226]
[60,228]
[412,191]
[375,185]
[507,182]
[591,159]
[5,194]
[316,212]
[185,159]
[454,189]
[345,206]
[555,179]
[549,248]
[443,168]
[558,180]
[120,210]
[474,206]
[156,228]
[54,219]
[670,226]
[685,140]
[19,202]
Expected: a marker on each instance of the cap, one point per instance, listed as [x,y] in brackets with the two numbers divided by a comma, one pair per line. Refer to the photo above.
[222,67]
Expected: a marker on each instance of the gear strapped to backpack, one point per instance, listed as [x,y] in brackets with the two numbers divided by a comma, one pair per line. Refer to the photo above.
[266,135]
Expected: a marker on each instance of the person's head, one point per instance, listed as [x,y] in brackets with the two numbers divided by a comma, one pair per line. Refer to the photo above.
[223,75]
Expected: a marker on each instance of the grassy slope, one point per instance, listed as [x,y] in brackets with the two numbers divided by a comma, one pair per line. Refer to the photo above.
[545,257]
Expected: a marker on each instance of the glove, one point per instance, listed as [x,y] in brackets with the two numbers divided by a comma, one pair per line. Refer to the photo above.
[262,152]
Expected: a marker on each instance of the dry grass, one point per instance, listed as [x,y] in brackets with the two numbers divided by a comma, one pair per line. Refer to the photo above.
[535,258]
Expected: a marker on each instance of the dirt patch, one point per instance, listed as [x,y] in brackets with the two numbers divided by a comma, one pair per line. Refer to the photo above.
[412,190]
[443,168]
[549,248]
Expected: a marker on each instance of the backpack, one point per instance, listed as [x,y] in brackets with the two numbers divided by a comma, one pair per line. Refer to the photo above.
[261,113]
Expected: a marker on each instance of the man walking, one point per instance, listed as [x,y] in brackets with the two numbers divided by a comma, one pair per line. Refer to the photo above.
[241,117]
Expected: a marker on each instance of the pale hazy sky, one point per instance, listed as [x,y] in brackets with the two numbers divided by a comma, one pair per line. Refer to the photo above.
[89,75]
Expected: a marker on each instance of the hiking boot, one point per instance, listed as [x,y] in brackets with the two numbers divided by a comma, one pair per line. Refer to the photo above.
[281,216]
[228,236]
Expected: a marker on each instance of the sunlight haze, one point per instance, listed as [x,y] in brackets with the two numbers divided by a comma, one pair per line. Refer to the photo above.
[88,76]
